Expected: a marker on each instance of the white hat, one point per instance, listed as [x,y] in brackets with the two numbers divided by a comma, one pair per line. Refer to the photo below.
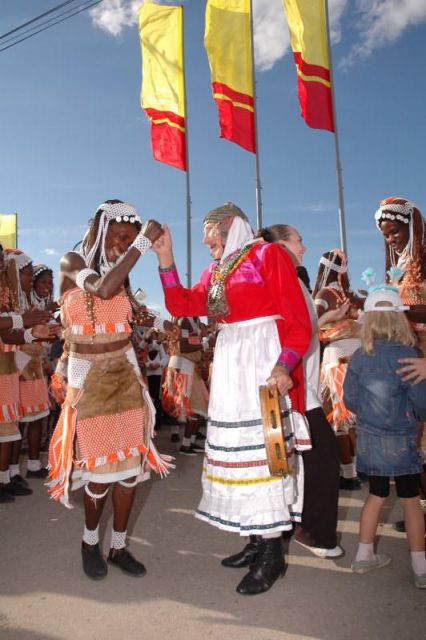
[385,298]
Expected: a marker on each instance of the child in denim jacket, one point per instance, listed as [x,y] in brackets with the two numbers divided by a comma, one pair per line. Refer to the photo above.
[387,409]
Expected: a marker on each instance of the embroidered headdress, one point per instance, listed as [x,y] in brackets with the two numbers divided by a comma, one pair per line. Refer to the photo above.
[234,228]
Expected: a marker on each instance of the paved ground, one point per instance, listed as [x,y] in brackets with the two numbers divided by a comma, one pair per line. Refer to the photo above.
[186,594]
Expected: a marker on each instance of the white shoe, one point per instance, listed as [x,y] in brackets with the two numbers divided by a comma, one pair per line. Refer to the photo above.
[336,552]
[420,581]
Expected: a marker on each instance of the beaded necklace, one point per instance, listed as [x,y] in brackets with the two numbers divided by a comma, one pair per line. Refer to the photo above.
[217,303]
[90,308]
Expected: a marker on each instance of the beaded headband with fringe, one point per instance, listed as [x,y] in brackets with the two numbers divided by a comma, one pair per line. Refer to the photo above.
[119,212]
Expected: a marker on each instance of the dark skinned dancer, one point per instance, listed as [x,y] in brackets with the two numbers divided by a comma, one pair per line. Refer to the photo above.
[104,433]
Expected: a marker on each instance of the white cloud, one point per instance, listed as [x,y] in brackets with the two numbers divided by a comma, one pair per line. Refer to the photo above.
[50,252]
[382,22]
[377,23]
[271,37]
[113,15]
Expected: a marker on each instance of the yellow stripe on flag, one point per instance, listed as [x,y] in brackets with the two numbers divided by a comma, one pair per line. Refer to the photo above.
[8,227]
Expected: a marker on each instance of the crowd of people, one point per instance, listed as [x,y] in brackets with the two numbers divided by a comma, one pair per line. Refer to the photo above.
[95,374]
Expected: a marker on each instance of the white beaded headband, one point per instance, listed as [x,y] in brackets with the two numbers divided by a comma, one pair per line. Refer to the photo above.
[118,212]
[333,266]
[400,212]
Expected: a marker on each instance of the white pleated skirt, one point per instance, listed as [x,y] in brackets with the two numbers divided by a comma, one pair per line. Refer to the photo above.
[239,494]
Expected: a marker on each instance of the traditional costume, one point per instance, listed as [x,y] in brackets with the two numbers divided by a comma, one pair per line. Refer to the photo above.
[107,418]
[407,269]
[185,394]
[341,340]
[254,293]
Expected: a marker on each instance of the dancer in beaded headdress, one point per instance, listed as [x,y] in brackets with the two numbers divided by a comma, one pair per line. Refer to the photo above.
[251,288]
[340,336]
[104,434]
[33,391]
[18,326]
[404,231]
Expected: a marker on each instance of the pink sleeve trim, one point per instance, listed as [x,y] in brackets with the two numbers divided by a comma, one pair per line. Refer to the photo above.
[288,358]
[169,277]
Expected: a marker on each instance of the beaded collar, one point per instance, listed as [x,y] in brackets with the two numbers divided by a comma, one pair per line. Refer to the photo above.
[217,304]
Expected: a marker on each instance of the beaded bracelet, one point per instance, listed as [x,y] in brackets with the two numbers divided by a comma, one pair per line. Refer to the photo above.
[28,336]
[141,243]
[17,321]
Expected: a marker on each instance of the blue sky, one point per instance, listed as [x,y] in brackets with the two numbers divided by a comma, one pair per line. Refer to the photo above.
[73,134]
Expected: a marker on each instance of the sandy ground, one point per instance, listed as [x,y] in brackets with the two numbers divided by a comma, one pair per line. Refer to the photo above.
[186,594]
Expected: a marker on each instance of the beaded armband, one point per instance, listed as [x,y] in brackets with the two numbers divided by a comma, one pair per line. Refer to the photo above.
[288,359]
[17,321]
[28,336]
[141,243]
[82,277]
[169,277]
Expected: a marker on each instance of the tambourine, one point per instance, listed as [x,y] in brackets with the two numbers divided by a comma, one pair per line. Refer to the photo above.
[273,429]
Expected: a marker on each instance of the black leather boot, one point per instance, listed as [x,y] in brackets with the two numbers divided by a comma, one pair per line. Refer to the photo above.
[246,557]
[94,566]
[269,566]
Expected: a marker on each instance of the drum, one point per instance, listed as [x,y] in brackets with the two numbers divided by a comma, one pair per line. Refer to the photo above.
[273,429]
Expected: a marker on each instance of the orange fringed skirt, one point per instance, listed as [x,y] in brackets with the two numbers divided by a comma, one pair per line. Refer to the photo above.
[104,433]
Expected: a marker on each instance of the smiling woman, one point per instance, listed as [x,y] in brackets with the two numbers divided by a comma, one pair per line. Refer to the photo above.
[104,432]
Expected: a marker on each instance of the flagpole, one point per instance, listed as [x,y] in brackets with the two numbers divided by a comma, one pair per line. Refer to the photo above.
[188,186]
[258,183]
[342,224]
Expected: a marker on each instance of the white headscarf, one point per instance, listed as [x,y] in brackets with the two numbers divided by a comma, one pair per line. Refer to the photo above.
[240,234]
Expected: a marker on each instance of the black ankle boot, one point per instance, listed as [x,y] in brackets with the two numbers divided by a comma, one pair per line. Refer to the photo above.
[246,557]
[269,566]
[94,566]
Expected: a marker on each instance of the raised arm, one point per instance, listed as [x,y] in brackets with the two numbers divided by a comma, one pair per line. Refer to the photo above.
[73,270]
[179,300]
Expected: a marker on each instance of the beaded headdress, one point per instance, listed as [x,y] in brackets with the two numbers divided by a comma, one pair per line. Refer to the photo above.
[404,212]
[39,269]
[16,260]
[330,265]
[118,212]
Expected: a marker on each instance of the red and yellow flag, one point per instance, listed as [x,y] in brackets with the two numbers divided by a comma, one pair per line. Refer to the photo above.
[308,36]
[163,87]
[227,42]
[8,229]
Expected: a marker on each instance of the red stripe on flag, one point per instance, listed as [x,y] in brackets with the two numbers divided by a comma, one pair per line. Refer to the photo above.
[236,123]
[315,104]
[311,69]
[235,96]
[167,138]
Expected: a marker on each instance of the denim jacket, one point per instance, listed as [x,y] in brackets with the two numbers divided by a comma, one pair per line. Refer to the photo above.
[374,391]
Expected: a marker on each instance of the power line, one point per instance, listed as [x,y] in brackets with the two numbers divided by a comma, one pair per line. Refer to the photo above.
[42,15]
[75,11]
[45,22]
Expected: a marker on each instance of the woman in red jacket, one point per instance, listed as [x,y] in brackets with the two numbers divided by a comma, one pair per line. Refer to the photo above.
[251,288]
